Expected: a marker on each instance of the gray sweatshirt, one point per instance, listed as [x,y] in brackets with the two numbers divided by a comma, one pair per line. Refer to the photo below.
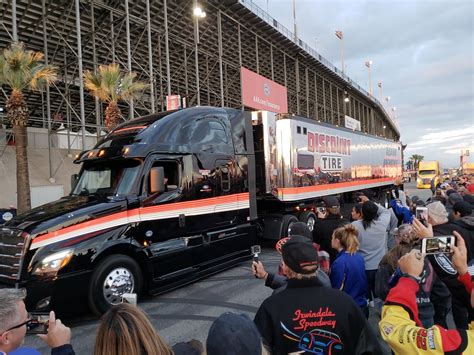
[373,240]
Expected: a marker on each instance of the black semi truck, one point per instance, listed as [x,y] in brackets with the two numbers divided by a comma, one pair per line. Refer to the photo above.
[168,198]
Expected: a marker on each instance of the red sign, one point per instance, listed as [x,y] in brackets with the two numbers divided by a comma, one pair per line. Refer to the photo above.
[261,93]
[173,102]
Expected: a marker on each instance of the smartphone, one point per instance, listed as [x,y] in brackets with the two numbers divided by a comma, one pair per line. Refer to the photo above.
[422,215]
[39,323]
[130,298]
[321,209]
[437,244]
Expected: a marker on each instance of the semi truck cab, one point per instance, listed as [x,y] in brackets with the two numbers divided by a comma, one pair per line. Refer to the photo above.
[428,171]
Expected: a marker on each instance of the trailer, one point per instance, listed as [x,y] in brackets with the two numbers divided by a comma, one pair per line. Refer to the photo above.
[169,198]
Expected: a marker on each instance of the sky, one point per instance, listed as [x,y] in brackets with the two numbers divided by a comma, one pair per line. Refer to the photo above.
[421,50]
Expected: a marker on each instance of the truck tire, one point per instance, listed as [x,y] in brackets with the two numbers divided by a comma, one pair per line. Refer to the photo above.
[112,277]
[309,218]
[287,221]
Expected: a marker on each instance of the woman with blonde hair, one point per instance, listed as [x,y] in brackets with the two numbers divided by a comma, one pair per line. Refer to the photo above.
[125,329]
[348,270]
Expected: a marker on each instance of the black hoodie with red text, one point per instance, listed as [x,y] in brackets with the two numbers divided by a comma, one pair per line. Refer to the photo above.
[307,318]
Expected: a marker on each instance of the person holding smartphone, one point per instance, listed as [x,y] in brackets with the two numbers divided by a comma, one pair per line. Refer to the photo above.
[329,219]
[400,326]
[15,322]
[443,266]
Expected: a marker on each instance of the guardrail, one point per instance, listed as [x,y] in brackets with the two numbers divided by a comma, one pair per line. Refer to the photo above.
[257,10]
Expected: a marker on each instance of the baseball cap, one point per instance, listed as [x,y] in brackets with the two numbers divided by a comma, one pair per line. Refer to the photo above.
[299,252]
[331,201]
[436,209]
[463,207]
[455,197]
[233,334]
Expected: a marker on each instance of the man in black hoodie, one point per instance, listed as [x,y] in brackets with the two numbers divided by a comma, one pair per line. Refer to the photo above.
[308,318]
[328,222]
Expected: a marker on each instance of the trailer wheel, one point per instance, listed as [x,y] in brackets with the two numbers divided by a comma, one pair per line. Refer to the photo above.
[287,221]
[114,276]
[309,218]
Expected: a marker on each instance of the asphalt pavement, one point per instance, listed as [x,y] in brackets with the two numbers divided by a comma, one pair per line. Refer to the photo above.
[188,312]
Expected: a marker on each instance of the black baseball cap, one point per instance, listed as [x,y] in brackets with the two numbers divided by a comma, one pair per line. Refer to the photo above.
[331,201]
[299,252]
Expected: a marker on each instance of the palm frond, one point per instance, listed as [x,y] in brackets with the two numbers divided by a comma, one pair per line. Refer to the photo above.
[93,83]
[21,68]
[42,75]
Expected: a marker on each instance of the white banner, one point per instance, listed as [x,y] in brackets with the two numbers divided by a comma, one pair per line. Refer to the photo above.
[352,123]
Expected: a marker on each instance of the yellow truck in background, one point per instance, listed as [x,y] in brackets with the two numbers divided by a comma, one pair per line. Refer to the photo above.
[468,168]
[427,171]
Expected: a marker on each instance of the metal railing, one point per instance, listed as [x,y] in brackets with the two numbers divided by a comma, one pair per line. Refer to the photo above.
[257,10]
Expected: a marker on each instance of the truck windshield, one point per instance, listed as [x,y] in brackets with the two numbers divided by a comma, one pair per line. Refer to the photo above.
[427,172]
[107,179]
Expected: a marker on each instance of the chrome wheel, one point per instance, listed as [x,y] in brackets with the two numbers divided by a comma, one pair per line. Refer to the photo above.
[310,223]
[118,282]
[288,232]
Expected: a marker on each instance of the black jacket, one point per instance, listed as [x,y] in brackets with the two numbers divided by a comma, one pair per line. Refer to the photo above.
[65,349]
[442,264]
[466,226]
[307,316]
[322,233]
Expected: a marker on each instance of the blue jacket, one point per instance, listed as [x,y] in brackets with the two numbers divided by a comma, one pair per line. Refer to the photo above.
[348,275]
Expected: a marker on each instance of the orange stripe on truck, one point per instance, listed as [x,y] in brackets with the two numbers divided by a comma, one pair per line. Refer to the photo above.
[337,185]
[142,211]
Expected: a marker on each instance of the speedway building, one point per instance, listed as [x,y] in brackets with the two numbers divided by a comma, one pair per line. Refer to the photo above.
[177,53]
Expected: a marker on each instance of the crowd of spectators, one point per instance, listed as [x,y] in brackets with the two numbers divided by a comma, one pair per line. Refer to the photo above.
[325,288]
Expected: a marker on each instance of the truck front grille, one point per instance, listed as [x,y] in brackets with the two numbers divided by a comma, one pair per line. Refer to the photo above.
[11,252]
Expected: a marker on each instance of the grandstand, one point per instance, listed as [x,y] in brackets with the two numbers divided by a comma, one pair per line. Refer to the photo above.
[176,53]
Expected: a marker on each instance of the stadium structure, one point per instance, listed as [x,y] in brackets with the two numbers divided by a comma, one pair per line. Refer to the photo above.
[175,53]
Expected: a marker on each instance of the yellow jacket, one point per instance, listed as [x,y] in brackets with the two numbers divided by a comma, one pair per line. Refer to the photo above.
[400,326]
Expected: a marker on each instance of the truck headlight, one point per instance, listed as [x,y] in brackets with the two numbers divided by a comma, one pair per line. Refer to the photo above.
[51,264]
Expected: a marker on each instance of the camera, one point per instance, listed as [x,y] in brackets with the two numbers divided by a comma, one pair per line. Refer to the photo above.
[321,209]
[255,250]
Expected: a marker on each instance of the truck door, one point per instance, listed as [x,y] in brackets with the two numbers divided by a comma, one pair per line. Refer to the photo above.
[163,224]
[224,240]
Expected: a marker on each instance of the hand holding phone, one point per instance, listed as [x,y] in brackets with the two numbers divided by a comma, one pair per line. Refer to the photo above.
[58,334]
[422,215]
[460,254]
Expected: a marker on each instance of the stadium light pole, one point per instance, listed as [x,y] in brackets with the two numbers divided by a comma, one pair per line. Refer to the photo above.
[340,35]
[368,64]
[198,13]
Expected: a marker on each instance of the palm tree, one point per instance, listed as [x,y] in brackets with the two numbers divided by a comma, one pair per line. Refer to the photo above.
[22,69]
[416,160]
[110,85]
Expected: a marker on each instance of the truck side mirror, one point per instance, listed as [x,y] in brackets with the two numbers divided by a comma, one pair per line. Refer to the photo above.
[157,180]
[74,179]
